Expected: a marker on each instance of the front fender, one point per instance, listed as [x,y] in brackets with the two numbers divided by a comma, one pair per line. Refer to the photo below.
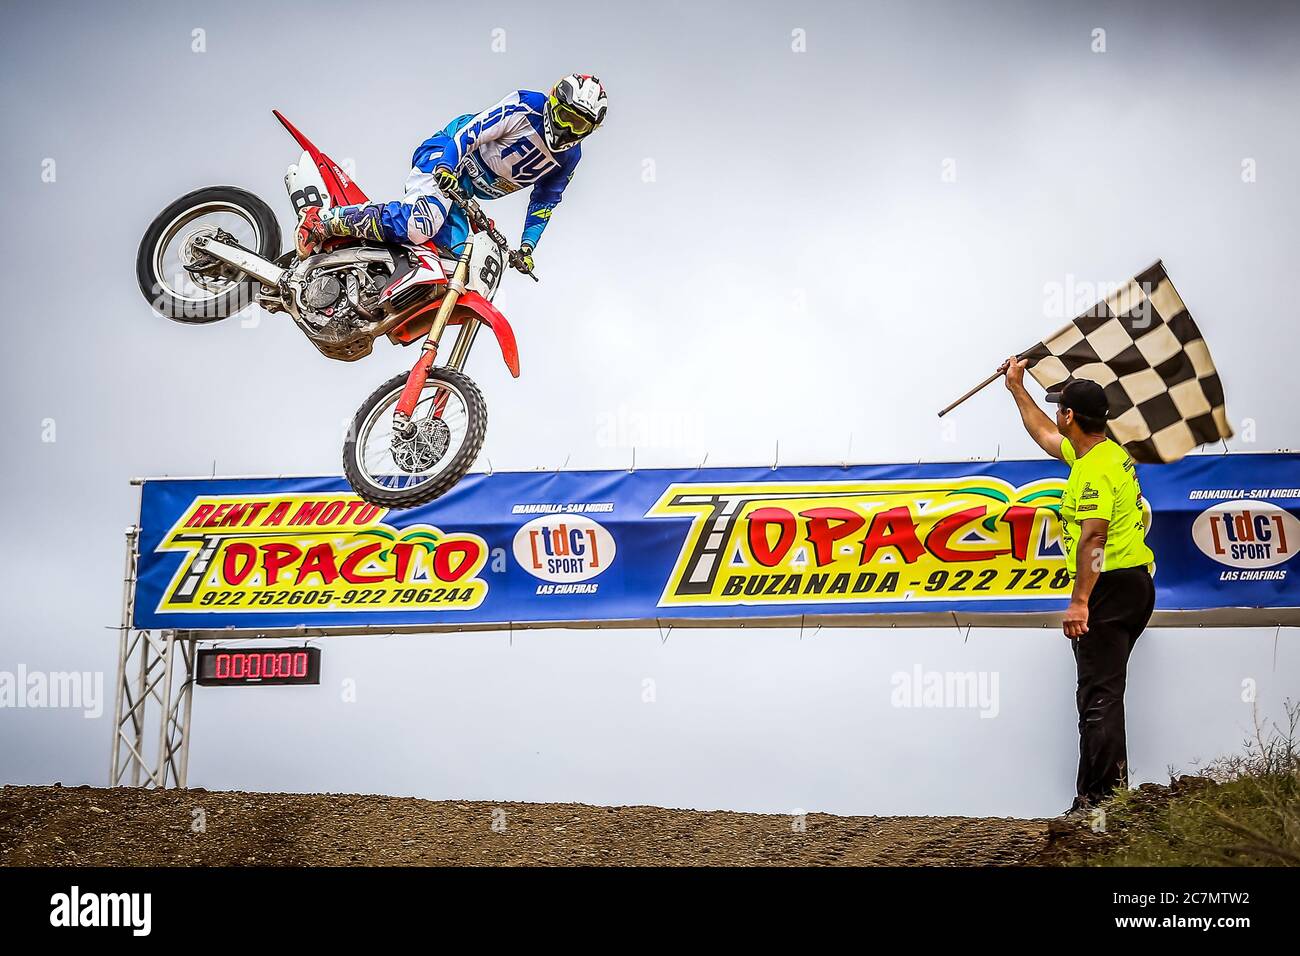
[491,316]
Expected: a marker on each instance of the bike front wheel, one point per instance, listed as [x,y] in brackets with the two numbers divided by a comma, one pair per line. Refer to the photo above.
[404,466]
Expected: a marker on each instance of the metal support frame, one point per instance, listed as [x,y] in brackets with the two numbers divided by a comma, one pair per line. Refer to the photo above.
[145,674]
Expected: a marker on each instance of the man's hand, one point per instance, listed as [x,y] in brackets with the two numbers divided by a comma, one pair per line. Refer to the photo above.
[1041,428]
[446,180]
[526,257]
[1075,622]
[1089,561]
[1014,370]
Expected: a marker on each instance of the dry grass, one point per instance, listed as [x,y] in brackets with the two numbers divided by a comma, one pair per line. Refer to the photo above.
[1243,811]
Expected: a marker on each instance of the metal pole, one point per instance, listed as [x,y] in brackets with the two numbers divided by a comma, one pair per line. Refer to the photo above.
[189,655]
[160,773]
[141,707]
[124,632]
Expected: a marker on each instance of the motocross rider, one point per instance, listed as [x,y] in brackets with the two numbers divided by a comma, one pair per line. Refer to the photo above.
[527,139]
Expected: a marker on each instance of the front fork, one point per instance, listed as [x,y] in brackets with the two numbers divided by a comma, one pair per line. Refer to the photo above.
[419,374]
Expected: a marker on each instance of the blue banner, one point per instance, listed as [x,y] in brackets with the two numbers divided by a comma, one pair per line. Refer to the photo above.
[858,544]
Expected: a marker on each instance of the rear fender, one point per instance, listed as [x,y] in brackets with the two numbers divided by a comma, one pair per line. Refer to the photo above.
[299,181]
[342,190]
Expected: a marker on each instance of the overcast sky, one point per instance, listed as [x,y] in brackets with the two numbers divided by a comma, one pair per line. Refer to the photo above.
[810,224]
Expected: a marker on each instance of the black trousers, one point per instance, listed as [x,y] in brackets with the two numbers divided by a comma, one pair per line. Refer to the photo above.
[1118,610]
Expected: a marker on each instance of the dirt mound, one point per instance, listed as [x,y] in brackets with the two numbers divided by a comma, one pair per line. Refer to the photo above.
[85,826]
[1193,821]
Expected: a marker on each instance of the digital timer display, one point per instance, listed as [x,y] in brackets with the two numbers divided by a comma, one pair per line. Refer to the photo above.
[259,665]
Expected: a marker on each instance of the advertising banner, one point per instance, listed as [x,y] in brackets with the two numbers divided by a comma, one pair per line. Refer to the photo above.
[858,544]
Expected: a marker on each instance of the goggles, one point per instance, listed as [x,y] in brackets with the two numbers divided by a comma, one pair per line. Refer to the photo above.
[570,119]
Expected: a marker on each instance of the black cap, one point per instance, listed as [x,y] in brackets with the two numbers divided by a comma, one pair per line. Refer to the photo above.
[1085,397]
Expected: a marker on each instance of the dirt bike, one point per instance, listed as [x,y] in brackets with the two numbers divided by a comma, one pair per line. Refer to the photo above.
[216,251]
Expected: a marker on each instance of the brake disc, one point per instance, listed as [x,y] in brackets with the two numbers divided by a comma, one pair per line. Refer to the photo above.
[423,446]
[205,270]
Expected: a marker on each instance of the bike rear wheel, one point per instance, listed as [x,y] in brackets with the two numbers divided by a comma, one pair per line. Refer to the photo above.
[181,283]
[403,467]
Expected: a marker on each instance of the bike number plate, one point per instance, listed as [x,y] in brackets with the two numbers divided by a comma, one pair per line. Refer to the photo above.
[487,264]
[306,188]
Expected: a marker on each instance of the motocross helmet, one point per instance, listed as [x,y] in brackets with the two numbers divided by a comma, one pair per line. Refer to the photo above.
[574,109]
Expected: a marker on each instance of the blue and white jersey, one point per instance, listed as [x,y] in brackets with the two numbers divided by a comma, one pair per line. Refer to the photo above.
[501,150]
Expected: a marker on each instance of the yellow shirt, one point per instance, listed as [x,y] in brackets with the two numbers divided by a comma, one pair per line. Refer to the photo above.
[1103,484]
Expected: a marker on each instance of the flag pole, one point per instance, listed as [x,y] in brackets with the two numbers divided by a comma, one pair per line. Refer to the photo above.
[981,386]
[988,381]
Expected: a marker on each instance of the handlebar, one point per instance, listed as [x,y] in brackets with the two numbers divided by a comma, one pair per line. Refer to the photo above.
[480,219]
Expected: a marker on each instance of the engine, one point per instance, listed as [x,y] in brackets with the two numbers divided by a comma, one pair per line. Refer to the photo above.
[337,298]
[336,302]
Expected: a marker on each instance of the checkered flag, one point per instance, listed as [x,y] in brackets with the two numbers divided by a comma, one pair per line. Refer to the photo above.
[1142,346]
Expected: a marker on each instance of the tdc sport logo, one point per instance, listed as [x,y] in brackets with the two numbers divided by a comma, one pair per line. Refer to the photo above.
[1247,534]
[564,548]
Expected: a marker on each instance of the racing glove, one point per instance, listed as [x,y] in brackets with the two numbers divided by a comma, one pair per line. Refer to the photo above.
[446,179]
[526,257]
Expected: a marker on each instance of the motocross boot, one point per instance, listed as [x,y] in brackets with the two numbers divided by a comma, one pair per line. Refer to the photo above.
[350,222]
[311,231]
